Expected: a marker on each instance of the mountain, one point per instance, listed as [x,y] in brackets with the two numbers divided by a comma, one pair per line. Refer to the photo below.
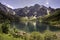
[15,14]
[53,17]
[7,13]
[38,10]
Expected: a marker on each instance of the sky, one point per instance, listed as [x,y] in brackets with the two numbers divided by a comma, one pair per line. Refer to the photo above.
[22,3]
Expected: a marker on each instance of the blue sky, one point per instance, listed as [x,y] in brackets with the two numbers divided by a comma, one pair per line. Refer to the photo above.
[22,3]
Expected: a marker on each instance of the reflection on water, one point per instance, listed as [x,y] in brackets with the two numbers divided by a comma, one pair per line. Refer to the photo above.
[31,26]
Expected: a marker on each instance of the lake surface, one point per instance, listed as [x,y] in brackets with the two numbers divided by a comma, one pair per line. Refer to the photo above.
[31,26]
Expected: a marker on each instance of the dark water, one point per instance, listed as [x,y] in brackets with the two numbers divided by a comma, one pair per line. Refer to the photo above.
[34,26]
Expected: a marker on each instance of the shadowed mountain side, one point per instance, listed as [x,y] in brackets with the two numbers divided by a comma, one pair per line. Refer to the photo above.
[36,10]
[7,13]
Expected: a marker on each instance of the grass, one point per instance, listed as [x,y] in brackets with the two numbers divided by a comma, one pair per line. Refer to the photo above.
[8,37]
[31,36]
[28,36]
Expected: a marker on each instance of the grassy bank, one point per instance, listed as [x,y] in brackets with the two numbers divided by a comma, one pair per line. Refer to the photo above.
[7,33]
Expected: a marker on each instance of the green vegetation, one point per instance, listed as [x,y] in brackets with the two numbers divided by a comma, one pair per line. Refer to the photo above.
[53,19]
[50,35]
[36,36]
[8,33]
[32,18]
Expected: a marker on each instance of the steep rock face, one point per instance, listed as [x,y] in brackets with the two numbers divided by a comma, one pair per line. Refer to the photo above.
[6,9]
[51,10]
[7,13]
[53,17]
[14,14]
[38,10]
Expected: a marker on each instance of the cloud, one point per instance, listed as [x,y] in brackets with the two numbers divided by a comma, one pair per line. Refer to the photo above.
[8,5]
[47,3]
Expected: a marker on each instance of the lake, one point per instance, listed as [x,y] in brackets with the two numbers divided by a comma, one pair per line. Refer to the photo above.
[31,26]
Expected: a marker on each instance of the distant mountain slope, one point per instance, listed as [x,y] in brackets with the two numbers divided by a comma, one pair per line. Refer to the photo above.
[7,13]
[38,10]
[54,17]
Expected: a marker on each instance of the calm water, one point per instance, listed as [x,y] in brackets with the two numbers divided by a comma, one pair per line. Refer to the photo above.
[34,26]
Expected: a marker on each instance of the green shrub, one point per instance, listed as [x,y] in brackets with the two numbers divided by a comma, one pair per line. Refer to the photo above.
[5,28]
[50,36]
[36,36]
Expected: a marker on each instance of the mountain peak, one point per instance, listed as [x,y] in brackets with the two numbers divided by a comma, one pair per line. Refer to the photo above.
[36,5]
[37,10]
[0,2]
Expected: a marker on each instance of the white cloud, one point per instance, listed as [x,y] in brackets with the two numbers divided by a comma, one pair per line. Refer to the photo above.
[8,5]
[47,3]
